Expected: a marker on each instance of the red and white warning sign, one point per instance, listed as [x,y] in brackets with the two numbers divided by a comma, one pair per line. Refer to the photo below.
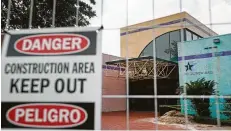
[52,79]
[47,115]
[52,44]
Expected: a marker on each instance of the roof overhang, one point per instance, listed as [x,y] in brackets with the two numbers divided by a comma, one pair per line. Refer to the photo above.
[143,67]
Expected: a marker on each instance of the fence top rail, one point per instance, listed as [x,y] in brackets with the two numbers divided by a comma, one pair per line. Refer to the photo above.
[167,96]
[60,29]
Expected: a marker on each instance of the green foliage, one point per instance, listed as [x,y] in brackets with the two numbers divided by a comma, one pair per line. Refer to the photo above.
[227,108]
[173,51]
[201,87]
[42,13]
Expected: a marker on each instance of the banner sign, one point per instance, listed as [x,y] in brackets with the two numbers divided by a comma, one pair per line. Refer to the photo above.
[52,79]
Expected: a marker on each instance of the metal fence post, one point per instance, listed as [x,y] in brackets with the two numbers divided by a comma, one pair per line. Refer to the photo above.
[31,13]
[127,75]
[8,15]
[183,59]
[77,13]
[154,66]
[53,13]
[102,9]
[216,64]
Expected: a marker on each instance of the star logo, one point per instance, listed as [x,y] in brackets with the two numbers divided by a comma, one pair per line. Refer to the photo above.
[188,67]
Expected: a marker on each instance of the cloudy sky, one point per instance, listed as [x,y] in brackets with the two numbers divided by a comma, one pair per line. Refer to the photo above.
[114,16]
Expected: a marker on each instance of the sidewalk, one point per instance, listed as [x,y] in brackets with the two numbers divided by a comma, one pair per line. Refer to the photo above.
[138,121]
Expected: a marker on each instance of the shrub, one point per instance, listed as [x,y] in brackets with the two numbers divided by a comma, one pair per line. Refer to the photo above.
[227,108]
[201,87]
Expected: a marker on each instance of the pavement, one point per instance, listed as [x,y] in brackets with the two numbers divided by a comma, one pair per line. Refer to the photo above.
[146,121]
[137,121]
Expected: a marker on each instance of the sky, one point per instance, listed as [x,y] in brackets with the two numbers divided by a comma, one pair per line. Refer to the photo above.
[114,16]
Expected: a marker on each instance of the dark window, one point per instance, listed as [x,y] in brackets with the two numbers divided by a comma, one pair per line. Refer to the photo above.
[174,38]
[148,51]
[188,35]
[195,37]
[162,44]
[166,46]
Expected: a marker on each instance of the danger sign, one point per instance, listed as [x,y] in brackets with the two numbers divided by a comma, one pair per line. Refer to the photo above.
[52,44]
[52,79]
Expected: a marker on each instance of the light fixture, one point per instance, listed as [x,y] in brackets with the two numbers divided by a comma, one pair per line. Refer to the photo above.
[216,41]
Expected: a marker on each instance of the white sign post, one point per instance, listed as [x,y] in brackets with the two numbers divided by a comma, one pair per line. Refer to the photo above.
[52,79]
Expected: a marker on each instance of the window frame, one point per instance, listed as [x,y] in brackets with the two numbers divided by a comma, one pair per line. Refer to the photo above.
[140,55]
[192,33]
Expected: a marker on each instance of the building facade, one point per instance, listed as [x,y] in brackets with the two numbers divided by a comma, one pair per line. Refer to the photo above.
[208,58]
[139,40]
[167,30]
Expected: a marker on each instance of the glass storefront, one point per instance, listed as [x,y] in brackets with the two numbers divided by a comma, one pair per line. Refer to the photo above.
[166,44]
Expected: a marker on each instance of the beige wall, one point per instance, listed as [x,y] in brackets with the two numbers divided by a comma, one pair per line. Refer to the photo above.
[139,40]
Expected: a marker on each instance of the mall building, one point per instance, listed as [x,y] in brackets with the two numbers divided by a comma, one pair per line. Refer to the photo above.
[137,44]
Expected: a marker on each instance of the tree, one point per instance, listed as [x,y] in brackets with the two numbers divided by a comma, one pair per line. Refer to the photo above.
[201,87]
[42,13]
[173,51]
[227,108]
